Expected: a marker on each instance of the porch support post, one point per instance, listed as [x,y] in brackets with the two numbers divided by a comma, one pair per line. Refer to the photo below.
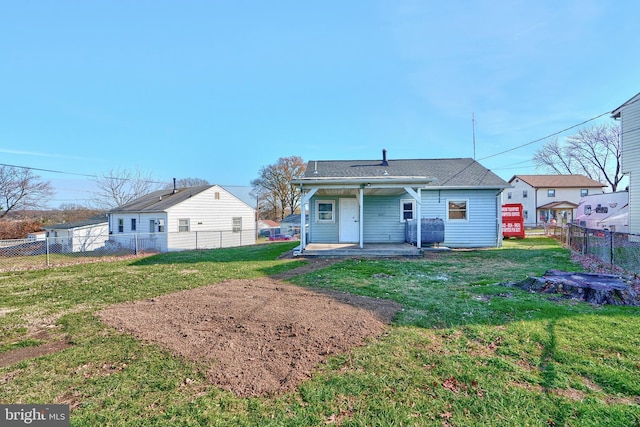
[417,195]
[303,213]
[361,215]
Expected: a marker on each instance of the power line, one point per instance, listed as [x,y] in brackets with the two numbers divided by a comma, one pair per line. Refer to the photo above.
[548,136]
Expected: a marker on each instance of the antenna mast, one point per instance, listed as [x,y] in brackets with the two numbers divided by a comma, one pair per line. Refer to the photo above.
[473,129]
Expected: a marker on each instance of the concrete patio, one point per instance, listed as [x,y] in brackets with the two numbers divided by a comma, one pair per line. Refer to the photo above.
[370,250]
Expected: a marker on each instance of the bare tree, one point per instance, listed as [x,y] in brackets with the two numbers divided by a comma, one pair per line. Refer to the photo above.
[274,188]
[187,182]
[21,189]
[120,186]
[594,152]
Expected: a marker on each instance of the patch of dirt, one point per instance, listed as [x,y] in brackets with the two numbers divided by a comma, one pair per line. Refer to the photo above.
[19,354]
[258,336]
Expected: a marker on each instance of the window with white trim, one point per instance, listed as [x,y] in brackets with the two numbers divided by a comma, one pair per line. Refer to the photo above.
[551,192]
[457,210]
[183,225]
[161,225]
[407,209]
[325,210]
[237,224]
[120,225]
[584,192]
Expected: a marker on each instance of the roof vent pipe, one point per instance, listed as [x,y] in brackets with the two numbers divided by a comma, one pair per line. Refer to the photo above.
[175,189]
[384,157]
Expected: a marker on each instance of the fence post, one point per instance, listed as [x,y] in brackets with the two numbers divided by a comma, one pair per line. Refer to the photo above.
[196,240]
[611,248]
[47,250]
[135,245]
[585,242]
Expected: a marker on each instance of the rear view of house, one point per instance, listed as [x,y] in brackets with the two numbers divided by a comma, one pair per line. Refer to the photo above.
[205,217]
[375,201]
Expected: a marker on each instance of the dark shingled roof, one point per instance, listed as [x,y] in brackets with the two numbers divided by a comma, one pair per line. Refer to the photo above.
[160,200]
[456,172]
[98,219]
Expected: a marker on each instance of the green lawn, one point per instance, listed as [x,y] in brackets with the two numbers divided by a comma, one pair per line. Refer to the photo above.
[464,351]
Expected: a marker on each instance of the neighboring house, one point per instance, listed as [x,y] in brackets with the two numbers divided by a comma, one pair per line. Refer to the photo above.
[606,211]
[291,224]
[37,236]
[267,227]
[78,236]
[204,217]
[370,201]
[548,197]
[629,116]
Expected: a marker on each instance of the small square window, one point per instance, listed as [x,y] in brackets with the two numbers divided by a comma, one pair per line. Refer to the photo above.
[325,210]
[584,192]
[551,192]
[183,225]
[161,225]
[457,210]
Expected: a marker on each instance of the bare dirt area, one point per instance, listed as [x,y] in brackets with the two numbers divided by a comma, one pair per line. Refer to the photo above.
[259,336]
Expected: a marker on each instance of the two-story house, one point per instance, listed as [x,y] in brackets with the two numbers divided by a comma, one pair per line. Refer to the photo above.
[629,116]
[549,197]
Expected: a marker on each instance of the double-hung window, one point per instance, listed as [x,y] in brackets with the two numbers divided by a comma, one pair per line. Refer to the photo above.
[325,210]
[183,225]
[458,210]
[120,225]
[551,192]
[407,209]
[133,224]
[236,224]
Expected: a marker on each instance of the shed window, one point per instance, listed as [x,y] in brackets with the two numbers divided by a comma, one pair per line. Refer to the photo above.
[407,209]
[183,225]
[237,224]
[120,225]
[325,210]
[457,210]
[551,192]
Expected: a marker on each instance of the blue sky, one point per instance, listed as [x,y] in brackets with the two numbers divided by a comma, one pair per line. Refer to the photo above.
[218,89]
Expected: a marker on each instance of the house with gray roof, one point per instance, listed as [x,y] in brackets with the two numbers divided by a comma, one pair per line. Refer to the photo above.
[78,236]
[204,217]
[369,202]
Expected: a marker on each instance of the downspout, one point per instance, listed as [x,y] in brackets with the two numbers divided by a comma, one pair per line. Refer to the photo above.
[499,219]
[361,214]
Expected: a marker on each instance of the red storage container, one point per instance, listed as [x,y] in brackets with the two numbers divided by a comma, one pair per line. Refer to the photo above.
[512,221]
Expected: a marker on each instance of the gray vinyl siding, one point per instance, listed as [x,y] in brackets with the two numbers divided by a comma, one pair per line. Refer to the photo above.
[630,126]
[481,227]
[382,224]
[382,219]
[323,232]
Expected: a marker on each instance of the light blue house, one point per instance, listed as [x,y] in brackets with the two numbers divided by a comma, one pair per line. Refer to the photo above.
[370,201]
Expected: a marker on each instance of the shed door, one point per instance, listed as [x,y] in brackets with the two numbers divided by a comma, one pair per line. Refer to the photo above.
[349,222]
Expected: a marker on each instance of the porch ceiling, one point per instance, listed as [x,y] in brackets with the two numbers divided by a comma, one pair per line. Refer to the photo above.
[355,191]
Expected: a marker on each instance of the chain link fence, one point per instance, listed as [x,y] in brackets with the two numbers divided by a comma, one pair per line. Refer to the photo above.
[25,254]
[613,248]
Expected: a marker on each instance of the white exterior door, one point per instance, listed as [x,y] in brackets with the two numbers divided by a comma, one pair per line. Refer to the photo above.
[349,222]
